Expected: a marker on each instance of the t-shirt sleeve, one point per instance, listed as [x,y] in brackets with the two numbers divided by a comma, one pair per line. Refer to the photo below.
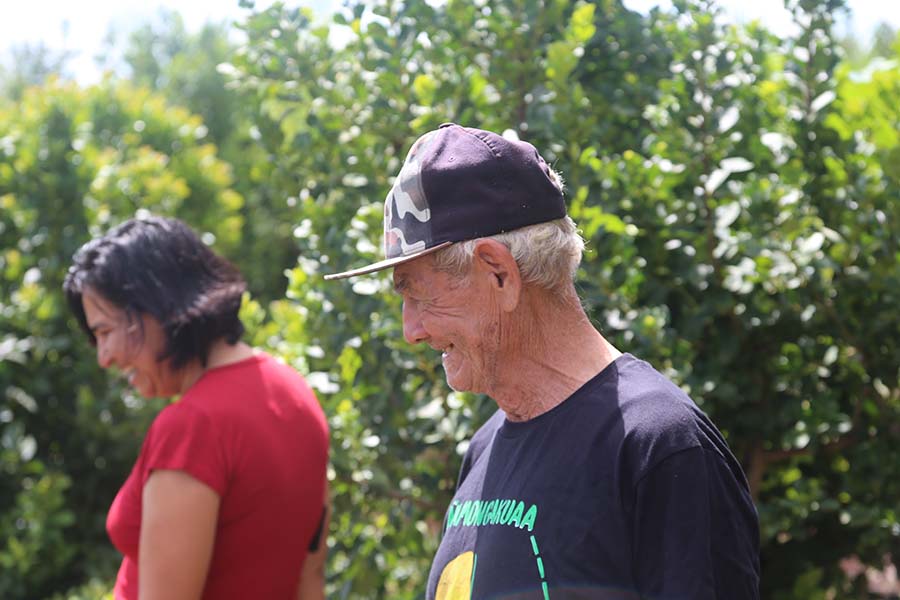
[184,439]
[689,543]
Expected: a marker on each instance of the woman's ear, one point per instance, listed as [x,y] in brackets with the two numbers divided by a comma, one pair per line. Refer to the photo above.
[495,262]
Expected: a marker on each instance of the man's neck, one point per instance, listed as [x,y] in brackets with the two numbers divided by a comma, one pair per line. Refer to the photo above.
[556,351]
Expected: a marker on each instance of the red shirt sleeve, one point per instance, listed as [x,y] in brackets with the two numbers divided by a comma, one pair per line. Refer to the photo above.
[183,438]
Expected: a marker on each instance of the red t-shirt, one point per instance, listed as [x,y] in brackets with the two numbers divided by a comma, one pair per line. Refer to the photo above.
[254,432]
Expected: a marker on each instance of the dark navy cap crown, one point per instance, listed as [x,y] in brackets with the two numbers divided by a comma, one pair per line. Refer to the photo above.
[461,183]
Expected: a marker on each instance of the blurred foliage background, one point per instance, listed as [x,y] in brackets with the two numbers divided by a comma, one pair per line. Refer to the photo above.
[739,192]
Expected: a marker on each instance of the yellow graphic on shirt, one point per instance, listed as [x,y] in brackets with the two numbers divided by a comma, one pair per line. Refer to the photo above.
[456,578]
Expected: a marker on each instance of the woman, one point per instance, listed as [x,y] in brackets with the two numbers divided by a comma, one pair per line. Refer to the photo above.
[226,497]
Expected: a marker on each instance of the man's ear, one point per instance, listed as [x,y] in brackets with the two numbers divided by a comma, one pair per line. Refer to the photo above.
[493,260]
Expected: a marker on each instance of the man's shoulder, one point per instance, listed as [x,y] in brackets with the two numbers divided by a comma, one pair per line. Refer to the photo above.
[647,399]
[659,419]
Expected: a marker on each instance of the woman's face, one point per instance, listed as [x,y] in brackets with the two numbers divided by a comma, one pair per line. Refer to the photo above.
[131,345]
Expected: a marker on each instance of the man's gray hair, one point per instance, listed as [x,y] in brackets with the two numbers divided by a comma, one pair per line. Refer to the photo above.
[548,254]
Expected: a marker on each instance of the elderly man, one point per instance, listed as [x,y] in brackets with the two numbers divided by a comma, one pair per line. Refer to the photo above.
[597,477]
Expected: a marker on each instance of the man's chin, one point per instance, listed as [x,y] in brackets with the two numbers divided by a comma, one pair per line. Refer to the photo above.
[456,384]
[456,388]
[462,384]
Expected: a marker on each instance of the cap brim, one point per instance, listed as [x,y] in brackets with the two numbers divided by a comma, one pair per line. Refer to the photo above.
[387,263]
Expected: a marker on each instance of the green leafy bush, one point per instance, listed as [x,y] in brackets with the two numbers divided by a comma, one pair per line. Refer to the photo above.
[738,193]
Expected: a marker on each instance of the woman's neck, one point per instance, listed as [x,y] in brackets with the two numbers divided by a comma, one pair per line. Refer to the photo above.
[221,353]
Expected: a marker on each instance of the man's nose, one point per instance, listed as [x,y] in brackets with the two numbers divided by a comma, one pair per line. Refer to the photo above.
[413,330]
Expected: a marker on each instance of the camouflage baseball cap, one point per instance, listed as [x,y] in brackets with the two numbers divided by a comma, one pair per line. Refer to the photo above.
[460,183]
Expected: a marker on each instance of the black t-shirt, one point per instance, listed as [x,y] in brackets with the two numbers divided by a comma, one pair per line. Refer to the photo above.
[624,490]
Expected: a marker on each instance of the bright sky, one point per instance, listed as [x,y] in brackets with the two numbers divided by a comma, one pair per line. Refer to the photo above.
[864,14]
[81,25]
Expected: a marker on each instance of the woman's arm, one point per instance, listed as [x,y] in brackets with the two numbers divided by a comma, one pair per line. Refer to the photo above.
[312,577]
[178,528]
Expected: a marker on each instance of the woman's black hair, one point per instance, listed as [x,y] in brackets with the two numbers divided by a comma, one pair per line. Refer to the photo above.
[158,266]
